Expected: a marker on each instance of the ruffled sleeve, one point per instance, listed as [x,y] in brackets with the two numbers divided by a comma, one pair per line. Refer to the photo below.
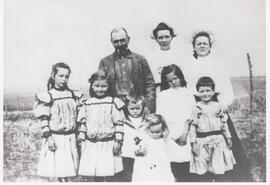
[118,118]
[81,114]
[42,109]
[81,118]
[196,111]
[224,119]
[77,94]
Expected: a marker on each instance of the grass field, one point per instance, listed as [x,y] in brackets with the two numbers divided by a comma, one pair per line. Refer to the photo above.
[22,137]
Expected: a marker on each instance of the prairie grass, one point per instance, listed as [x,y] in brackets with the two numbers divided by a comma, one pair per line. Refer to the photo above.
[22,139]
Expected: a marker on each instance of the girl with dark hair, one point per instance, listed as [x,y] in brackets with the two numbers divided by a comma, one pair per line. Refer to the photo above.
[173,69]
[57,110]
[55,68]
[175,103]
[101,131]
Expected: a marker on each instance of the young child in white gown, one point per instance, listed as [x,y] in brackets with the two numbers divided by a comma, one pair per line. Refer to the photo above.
[152,162]
[133,122]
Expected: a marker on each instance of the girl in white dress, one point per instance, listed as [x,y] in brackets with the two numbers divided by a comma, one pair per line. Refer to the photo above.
[101,131]
[57,110]
[175,103]
[209,134]
[152,161]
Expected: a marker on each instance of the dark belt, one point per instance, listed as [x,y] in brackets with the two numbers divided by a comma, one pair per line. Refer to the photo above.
[94,140]
[205,134]
[63,132]
[157,84]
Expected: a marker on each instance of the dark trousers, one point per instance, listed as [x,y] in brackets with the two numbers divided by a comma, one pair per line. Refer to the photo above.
[126,174]
[181,172]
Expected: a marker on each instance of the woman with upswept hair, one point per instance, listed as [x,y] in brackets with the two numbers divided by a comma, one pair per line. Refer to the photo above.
[204,63]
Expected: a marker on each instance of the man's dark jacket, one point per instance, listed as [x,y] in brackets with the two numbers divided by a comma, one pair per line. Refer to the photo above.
[141,77]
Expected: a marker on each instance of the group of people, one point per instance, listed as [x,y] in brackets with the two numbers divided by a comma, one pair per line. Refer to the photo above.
[171,125]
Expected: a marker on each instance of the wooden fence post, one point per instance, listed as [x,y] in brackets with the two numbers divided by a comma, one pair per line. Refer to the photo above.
[250,93]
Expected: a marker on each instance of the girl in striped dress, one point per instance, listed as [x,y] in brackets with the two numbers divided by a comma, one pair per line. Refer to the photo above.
[57,110]
[101,131]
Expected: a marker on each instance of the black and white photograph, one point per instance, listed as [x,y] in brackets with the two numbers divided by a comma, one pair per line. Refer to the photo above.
[146,91]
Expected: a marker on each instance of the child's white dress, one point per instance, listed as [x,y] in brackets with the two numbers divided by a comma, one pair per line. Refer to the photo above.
[60,108]
[155,165]
[214,155]
[103,123]
[131,131]
[175,105]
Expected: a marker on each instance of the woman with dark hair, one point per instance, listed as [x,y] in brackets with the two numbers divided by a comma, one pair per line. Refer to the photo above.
[206,64]
[163,34]
[165,53]
[175,103]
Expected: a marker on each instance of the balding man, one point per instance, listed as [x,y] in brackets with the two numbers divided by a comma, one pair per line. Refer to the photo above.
[129,71]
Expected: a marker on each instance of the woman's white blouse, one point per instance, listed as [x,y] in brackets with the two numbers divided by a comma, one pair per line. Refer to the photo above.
[160,58]
[214,68]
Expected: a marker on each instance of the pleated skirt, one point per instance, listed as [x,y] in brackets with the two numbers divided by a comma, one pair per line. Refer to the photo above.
[61,163]
[97,159]
[214,157]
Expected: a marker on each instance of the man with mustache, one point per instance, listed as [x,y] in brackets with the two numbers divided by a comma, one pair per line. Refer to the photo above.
[129,71]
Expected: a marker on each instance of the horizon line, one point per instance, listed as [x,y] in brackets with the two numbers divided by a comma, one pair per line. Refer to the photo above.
[11,92]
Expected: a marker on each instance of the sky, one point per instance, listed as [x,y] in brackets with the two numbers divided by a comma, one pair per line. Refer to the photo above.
[40,33]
